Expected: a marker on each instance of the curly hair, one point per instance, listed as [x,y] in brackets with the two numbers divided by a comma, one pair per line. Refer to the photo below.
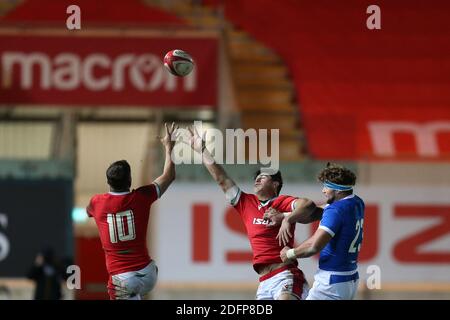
[337,174]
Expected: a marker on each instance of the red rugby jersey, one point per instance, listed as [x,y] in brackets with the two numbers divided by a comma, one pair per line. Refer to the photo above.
[122,220]
[265,247]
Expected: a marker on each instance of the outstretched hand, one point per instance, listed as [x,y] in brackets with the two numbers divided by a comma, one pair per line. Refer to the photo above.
[274,216]
[195,140]
[168,141]
[284,233]
[283,255]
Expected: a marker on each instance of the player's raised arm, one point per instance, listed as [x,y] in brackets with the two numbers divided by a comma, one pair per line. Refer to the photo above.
[308,248]
[305,211]
[168,175]
[216,170]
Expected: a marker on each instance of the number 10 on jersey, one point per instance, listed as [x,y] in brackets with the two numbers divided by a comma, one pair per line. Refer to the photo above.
[117,223]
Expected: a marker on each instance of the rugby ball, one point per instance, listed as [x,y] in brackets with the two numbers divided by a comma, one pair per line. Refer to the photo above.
[178,62]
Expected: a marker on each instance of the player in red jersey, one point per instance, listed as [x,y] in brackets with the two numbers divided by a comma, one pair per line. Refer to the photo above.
[122,216]
[278,280]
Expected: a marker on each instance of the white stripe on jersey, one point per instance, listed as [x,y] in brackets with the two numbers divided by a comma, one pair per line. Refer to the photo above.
[327,230]
[158,191]
[233,195]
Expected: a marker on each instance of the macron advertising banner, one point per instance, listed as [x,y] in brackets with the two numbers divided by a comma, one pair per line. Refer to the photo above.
[108,71]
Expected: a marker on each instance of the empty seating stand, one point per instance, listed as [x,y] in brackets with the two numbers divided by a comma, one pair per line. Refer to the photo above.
[264,91]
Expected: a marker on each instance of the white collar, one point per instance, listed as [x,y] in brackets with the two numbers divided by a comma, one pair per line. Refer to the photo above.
[348,197]
[119,193]
[265,203]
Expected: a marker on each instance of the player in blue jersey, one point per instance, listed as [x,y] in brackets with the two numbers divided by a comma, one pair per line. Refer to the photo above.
[338,238]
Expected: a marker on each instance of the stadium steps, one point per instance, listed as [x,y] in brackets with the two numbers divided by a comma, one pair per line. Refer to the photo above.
[254,76]
[261,75]
[248,50]
[269,96]
[264,91]
[266,106]
[269,120]
[249,81]
[6,6]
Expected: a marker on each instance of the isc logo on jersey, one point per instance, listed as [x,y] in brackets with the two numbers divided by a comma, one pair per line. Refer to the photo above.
[260,221]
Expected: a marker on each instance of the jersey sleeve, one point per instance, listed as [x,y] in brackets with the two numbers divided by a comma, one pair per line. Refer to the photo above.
[233,195]
[150,192]
[90,208]
[238,202]
[286,204]
[331,221]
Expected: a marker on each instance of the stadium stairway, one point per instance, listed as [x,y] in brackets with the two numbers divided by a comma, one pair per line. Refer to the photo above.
[6,6]
[348,76]
[264,91]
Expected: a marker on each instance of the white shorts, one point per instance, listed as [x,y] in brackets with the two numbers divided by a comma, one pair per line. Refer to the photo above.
[280,281]
[330,285]
[132,285]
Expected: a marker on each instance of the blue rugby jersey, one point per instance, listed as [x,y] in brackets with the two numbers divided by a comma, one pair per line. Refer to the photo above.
[343,220]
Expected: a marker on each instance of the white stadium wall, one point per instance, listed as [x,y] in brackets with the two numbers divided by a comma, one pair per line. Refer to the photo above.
[407,235]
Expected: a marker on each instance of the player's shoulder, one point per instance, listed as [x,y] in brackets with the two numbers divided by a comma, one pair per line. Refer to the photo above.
[100,197]
[145,190]
[358,199]
[282,197]
[334,208]
[95,200]
[140,188]
[331,208]
[350,201]
[345,204]
[245,195]
[97,197]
